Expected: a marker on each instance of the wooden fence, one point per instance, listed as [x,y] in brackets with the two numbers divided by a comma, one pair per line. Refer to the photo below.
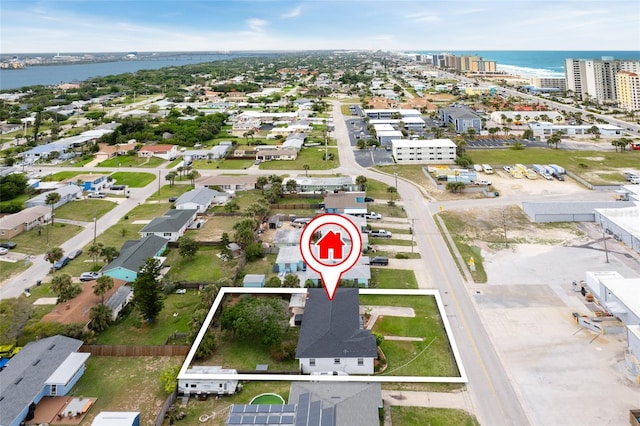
[165,407]
[132,350]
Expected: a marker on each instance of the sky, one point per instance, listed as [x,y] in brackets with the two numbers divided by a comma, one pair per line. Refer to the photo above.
[28,26]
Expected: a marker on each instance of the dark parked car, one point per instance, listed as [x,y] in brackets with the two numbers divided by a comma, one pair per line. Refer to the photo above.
[62,262]
[368,200]
[379,260]
[117,187]
[8,245]
[172,199]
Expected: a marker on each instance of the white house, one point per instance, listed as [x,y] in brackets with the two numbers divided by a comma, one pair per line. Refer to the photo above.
[424,151]
[166,152]
[331,337]
[201,199]
[67,193]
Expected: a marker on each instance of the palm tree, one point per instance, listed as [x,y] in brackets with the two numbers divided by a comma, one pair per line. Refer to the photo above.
[52,199]
[109,253]
[193,175]
[102,286]
[306,169]
[180,169]
[53,255]
[94,251]
[361,181]
[261,182]
[171,177]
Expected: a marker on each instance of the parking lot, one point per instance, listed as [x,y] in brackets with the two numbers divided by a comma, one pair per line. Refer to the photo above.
[502,143]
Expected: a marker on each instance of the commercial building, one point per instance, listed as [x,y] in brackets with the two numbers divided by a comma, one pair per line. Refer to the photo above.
[596,78]
[462,118]
[628,89]
[544,129]
[422,151]
[549,83]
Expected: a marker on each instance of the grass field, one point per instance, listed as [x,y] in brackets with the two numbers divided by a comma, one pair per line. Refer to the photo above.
[132,161]
[20,199]
[231,164]
[393,278]
[458,228]
[421,416]
[84,210]
[430,357]
[386,210]
[148,211]
[8,269]
[57,177]
[170,191]
[390,242]
[606,165]
[244,200]
[115,380]
[130,330]
[30,242]
[133,179]
[378,190]
[413,173]
[310,156]
[205,266]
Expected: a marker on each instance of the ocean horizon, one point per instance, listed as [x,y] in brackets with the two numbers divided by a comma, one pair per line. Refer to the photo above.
[536,63]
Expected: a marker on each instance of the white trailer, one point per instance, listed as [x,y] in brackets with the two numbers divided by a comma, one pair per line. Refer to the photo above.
[196,382]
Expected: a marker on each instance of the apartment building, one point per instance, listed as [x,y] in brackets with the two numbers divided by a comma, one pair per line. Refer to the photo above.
[423,151]
[549,83]
[628,89]
[596,78]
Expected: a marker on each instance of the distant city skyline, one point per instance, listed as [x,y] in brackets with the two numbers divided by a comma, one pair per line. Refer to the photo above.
[29,26]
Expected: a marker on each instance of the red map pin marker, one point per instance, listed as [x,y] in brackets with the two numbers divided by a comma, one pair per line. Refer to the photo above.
[337,251]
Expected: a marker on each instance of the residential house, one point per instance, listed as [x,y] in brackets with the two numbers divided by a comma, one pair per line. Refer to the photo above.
[215,153]
[89,182]
[47,367]
[228,183]
[166,152]
[276,154]
[545,130]
[287,237]
[13,224]
[345,202]
[133,255]
[331,336]
[359,274]
[316,404]
[329,184]
[110,151]
[201,199]
[389,113]
[462,119]
[294,141]
[289,260]
[67,193]
[254,280]
[171,225]
[119,300]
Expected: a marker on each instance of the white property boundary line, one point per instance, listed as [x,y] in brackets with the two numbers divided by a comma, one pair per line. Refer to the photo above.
[183,375]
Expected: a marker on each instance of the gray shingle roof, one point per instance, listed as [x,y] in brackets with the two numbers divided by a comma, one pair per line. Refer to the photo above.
[134,253]
[201,196]
[331,329]
[26,373]
[355,404]
[171,221]
[118,297]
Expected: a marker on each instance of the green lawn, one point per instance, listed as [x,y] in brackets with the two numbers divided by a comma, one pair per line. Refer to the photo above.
[409,255]
[132,161]
[392,230]
[29,242]
[422,416]
[430,357]
[205,266]
[413,173]
[173,163]
[393,278]
[260,266]
[231,163]
[148,211]
[609,165]
[386,210]
[8,269]
[390,242]
[244,200]
[124,382]
[245,355]
[170,191]
[133,179]
[378,190]
[311,156]
[20,199]
[84,210]
[459,229]
[57,177]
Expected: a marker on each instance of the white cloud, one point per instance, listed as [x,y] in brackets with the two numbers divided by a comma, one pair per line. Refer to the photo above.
[294,13]
[424,17]
[256,25]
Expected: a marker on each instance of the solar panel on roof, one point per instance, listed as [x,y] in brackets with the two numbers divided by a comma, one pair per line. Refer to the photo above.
[247,420]
[234,420]
[287,420]
[273,420]
[264,408]
[276,408]
[260,420]
[303,409]
[237,408]
[328,416]
[289,408]
[314,413]
[251,409]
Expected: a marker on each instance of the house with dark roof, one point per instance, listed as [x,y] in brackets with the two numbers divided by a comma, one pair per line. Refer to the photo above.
[133,255]
[462,118]
[331,336]
[201,199]
[316,404]
[119,300]
[46,367]
[171,225]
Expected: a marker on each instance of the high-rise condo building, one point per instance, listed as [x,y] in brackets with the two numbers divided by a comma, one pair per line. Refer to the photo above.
[596,78]
[628,90]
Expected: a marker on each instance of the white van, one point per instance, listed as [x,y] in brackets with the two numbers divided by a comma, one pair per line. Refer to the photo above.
[487,169]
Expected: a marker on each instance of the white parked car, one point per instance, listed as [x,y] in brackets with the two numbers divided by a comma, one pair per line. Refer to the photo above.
[181,291]
[90,276]
[96,195]
[3,251]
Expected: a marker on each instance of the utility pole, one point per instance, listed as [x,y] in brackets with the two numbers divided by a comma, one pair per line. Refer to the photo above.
[413,231]
[604,239]
[504,227]
[95,229]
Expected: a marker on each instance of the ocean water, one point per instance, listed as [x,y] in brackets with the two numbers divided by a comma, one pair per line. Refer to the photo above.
[540,63]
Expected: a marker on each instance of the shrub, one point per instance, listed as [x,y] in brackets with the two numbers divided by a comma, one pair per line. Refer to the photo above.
[402,256]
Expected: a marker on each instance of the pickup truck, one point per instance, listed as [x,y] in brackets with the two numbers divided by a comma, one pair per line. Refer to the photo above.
[96,195]
[628,176]
[381,233]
